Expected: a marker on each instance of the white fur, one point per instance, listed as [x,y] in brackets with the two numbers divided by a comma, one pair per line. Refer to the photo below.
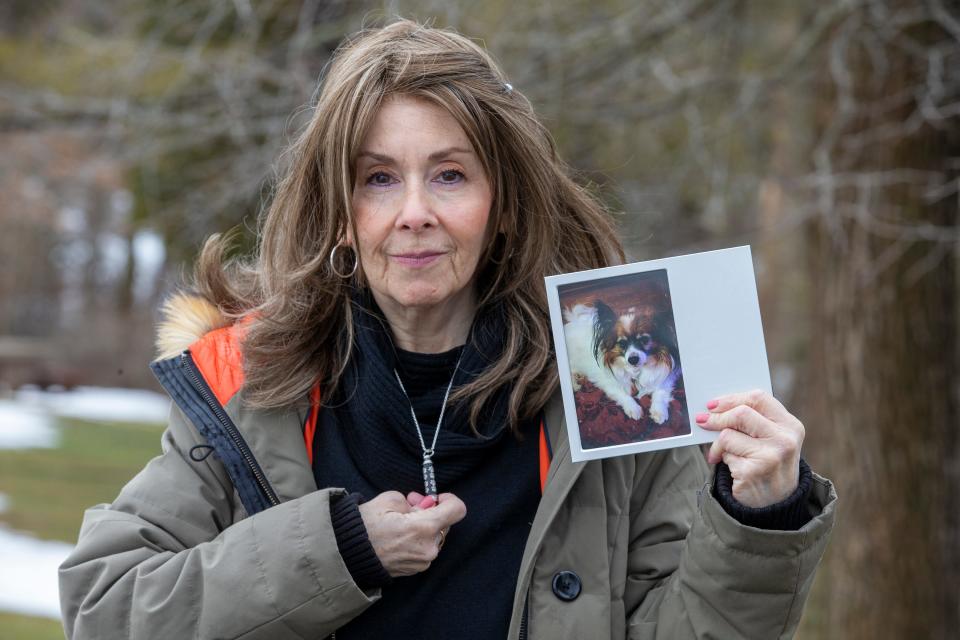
[186,318]
[658,381]
[650,376]
[616,381]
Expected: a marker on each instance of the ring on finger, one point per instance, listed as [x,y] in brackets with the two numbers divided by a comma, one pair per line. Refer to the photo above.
[443,538]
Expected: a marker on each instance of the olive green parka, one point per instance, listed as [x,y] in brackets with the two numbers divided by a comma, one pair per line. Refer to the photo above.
[656,556]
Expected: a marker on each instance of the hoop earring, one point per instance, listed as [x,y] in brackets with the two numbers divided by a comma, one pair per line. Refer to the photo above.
[333,263]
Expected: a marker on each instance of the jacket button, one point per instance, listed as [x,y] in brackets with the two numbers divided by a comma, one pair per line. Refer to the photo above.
[566,585]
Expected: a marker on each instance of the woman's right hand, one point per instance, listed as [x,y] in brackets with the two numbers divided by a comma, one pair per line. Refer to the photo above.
[407,538]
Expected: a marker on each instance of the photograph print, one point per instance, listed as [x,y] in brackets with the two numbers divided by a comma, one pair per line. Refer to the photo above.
[624,359]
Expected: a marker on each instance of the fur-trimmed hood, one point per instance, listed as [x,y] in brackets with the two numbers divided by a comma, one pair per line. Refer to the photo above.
[185,319]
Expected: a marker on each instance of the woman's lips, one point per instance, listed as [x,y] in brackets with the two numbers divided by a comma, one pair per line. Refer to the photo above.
[416,259]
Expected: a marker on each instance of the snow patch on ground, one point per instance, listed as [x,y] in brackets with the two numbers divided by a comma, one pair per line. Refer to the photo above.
[100,404]
[28,567]
[25,427]
[28,582]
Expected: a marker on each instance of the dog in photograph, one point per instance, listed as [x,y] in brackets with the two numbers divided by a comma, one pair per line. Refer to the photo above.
[626,357]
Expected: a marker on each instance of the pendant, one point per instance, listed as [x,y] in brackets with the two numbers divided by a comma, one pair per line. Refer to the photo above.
[429,479]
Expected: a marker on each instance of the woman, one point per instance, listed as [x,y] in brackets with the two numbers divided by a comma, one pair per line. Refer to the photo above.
[379,391]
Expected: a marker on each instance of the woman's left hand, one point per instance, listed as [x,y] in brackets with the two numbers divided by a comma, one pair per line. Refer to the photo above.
[760,441]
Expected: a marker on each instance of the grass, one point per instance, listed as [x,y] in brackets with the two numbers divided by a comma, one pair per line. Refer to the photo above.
[27,627]
[48,489]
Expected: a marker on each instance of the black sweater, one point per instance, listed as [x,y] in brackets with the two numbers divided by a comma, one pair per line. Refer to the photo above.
[366,442]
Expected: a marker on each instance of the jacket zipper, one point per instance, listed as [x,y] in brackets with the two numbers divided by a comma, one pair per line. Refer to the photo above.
[523,618]
[230,428]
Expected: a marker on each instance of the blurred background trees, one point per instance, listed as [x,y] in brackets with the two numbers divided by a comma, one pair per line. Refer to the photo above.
[821,132]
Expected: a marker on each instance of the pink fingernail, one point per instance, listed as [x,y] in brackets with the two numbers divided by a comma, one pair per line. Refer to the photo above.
[702,418]
[713,404]
[427,502]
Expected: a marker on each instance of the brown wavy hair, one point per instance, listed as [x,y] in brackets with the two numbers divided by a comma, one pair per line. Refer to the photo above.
[299,327]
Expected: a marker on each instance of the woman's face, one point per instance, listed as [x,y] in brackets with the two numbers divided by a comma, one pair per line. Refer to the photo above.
[422,202]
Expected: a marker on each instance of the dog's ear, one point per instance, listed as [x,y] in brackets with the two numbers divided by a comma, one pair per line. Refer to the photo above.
[604,336]
[665,332]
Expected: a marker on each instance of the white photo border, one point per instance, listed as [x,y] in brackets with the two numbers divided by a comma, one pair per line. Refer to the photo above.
[719,332]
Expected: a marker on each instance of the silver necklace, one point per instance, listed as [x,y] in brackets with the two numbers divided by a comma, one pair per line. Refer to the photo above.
[429,477]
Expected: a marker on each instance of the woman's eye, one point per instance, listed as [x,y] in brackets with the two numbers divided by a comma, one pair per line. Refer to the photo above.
[379,179]
[450,176]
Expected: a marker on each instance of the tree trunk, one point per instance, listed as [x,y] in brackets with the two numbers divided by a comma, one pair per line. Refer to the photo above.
[883,368]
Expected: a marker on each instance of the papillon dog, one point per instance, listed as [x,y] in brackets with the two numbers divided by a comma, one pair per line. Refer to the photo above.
[626,357]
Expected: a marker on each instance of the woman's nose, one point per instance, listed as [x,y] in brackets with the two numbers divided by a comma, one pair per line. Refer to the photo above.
[415,212]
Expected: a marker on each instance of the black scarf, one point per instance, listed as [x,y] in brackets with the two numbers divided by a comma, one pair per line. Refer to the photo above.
[379,432]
